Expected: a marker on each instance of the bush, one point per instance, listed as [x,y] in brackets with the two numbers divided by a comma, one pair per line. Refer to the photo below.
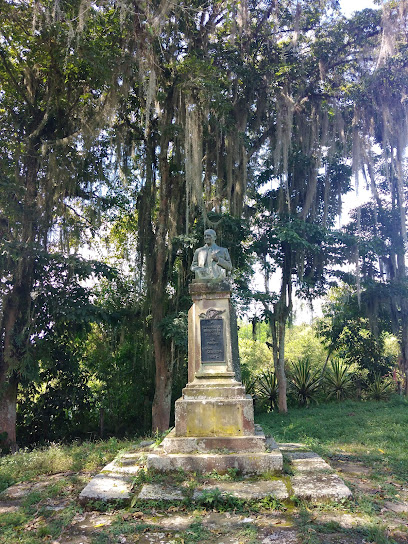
[338,380]
[266,387]
[381,388]
[304,382]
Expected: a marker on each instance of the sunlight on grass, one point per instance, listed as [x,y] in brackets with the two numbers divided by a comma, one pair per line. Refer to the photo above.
[374,432]
[26,465]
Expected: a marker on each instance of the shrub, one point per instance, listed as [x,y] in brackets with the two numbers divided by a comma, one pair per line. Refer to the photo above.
[381,388]
[338,380]
[267,388]
[304,382]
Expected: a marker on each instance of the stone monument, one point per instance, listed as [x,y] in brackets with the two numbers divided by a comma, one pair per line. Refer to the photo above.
[214,418]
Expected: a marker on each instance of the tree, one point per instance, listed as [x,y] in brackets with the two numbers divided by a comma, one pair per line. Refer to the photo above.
[59,75]
[55,401]
[347,333]
[325,117]
[205,83]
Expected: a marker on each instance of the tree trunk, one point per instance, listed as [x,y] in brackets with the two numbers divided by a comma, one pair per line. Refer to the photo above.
[163,363]
[281,375]
[8,405]
[15,321]
[163,386]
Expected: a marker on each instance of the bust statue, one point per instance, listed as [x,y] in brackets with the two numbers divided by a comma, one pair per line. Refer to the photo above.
[211,262]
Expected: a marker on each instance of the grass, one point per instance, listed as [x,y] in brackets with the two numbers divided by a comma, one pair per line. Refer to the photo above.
[77,457]
[371,432]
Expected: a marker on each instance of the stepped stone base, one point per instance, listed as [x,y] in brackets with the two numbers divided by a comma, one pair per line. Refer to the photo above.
[313,481]
[248,454]
[216,406]
[214,444]
[246,463]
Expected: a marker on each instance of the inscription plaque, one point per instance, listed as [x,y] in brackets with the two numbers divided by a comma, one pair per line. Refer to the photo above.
[212,340]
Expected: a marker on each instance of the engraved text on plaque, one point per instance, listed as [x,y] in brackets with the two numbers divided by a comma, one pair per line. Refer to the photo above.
[212,340]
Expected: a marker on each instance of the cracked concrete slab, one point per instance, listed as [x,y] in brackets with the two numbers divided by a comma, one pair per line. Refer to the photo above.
[247,490]
[121,466]
[158,492]
[316,486]
[107,488]
[307,461]
[314,480]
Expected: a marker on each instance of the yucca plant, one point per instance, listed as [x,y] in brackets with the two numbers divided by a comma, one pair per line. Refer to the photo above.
[250,382]
[304,381]
[381,388]
[338,380]
[267,388]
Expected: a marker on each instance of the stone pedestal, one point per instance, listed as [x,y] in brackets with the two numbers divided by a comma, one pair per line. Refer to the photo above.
[214,418]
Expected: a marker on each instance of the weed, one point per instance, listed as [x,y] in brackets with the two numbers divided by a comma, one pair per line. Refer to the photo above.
[271,503]
[250,533]
[218,500]
[195,533]
[376,534]
[359,428]
[101,538]
[26,465]
[231,474]
[12,519]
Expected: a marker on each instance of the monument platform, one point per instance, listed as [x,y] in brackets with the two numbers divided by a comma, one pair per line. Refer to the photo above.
[314,480]
[214,418]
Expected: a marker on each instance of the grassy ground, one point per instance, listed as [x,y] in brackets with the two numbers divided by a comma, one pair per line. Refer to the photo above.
[374,433]
[366,443]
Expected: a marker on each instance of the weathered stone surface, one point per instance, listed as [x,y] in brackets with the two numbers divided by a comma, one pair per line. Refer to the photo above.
[157,492]
[207,297]
[270,443]
[21,490]
[247,463]
[247,490]
[121,467]
[9,507]
[397,507]
[146,443]
[317,486]
[214,444]
[280,536]
[291,446]
[307,461]
[107,488]
[214,416]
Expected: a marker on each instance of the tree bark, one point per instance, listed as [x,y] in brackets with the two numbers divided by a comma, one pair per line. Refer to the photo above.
[8,410]
[163,386]
[281,374]
[164,369]
[17,303]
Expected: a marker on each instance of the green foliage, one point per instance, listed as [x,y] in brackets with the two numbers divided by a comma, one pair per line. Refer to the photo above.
[254,355]
[361,429]
[346,332]
[302,341]
[26,465]
[218,500]
[56,401]
[304,382]
[267,388]
[381,388]
[118,356]
[338,380]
